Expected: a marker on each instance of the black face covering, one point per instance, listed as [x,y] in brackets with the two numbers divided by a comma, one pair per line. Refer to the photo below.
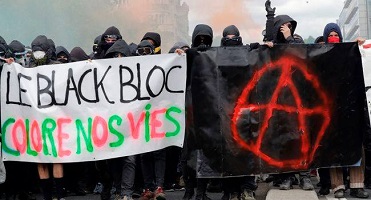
[234,41]
[106,46]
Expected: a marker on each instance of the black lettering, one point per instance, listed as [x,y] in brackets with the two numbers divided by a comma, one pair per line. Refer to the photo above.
[128,83]
[80,89]
[100,84]
[70,80]
[19,87]
[139,85]
[46,90]
[149,90]
[167,78]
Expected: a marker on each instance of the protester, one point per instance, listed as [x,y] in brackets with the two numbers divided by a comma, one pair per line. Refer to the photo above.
[62,55]
[109,37]
[155,40]
[78,54]
[332,34]
[19,53]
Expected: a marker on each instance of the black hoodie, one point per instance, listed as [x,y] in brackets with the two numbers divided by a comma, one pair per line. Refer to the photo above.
[120,46]
[205,30]
[78,54]
[61,49]
[16,47]
[41,43]
[102,46]
[329,28]
[279,20]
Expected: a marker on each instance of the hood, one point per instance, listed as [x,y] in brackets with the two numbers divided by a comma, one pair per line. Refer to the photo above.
[202,29]
[2,41]
[279,20]
[178,45]
[145,43]
[329,28]
[40,43]
[231,30]
[17,47]
[153,36]
[111,31]
[61,49]
[120,46]
[133,47]
[78,54]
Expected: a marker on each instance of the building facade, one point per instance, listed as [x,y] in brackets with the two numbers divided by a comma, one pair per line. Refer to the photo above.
[355,19]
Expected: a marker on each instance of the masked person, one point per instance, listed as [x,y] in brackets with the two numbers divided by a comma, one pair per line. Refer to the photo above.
[41,52]
[155,40]
[109,37]
[284,30]
[231,36]
[41,55]
[62,54]
[145,48]
[19,53]
[152,163]
[332,34]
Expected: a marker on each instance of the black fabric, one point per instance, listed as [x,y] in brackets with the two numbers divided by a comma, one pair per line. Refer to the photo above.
[279,20]
[52,49]
[204,30]
[120,46]
[61,49]
[281,109]
[40,43]
[145,43]
[318,39]
[329,28]
[2,41]
[133,47]
[111,31]
[231,30]
[178,45]
[17,47]
[153,36]
[78,54]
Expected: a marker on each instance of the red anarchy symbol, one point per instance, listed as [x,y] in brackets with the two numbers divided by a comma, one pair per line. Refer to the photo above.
[287,65]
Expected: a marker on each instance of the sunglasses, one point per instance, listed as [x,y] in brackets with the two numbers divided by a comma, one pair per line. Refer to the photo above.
[144,51]
[111,37]
[19,55]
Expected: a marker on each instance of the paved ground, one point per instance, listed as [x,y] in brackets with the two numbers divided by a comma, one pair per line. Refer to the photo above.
[265,192]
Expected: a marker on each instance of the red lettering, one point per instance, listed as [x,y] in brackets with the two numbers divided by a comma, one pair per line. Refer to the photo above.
[134,128]
[19,145]
[155,123]
[36,136]
[99,141]
[61,136]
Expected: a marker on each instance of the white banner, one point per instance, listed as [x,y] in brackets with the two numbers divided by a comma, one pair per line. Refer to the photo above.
[365,50]
[92,110]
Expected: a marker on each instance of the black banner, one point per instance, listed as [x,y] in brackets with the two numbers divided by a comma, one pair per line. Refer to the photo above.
[270,110]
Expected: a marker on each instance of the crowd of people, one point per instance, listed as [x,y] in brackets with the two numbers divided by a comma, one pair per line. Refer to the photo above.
[149,175]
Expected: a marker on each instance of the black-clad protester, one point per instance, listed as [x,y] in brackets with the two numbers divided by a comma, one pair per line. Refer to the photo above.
[155,39]
[19,53]
[237,188]
[78,54]
[109,37]
[62,54]
[122,169]
[153,163]
[202,39]
[41,55]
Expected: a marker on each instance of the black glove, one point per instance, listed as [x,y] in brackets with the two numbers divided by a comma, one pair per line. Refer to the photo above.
[254,45]
[202,47]
[269,9]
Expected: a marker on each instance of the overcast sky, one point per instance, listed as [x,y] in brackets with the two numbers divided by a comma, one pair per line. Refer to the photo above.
[249,15]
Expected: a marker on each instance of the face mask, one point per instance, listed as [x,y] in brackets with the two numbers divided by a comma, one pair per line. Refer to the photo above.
[234,41]
[333,39]
[38,55]
[106,46]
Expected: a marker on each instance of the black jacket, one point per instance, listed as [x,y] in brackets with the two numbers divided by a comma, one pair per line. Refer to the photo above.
[279,20]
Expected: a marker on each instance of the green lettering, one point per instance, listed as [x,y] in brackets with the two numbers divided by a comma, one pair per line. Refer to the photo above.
[146,123]
[29,150]
[120,136]
[173,120]
[87,136]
